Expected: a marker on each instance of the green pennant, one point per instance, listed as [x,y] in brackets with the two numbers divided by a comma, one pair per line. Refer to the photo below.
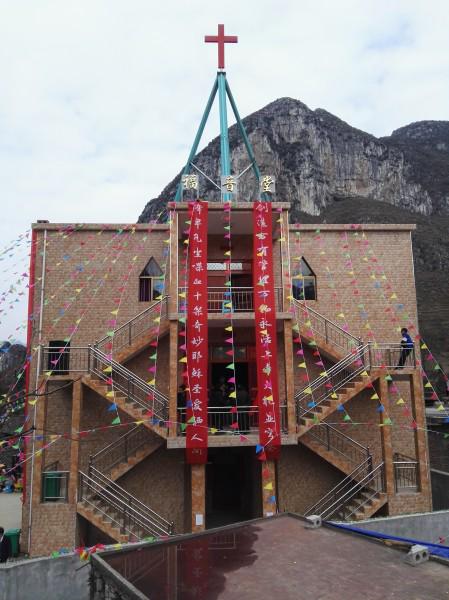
[116,421]
[231,366]
[183,426]
[346,418]
[388,421]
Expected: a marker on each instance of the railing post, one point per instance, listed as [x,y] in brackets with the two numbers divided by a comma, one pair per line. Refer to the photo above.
[326,332]
[88,357]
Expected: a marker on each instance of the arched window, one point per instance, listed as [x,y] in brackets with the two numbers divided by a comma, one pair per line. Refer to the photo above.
[151,283]
[304,282]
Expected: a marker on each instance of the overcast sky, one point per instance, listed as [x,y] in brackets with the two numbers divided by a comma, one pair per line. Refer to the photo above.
[100,99]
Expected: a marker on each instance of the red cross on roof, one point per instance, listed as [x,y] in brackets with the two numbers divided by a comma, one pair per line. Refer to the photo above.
[221,39]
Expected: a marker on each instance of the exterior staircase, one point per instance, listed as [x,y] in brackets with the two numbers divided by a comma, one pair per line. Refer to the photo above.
[129,393]
[337,448]
[116,512]
[358,496]
[121,455]
[137,334]
[361,493]
[333,340]
[342,381]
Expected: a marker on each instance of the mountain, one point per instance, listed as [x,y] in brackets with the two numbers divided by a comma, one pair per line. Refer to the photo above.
[330,171]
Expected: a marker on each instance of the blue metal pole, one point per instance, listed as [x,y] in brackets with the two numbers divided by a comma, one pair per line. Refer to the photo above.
[224,139]
[197,139]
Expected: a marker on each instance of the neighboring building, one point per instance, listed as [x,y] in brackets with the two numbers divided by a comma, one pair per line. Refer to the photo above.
[287,410]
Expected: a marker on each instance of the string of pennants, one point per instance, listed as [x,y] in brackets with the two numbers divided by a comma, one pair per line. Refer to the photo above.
[375,274]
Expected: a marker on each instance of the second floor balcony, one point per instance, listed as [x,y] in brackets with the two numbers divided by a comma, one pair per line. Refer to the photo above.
[222,300]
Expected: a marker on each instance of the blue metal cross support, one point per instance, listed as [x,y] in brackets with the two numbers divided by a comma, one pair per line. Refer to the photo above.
[224,92]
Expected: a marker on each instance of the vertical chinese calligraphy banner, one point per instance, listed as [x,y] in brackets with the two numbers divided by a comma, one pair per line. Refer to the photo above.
[196,338]
[265,322]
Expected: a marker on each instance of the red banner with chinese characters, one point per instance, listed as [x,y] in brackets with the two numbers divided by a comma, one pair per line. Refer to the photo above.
[196,338]
[265,322]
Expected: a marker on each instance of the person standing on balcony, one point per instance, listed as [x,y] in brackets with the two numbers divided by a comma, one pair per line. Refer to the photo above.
[406,347]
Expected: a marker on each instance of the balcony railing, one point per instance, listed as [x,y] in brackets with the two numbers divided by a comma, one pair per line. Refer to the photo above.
[220,418]
[240,298]
[406,473]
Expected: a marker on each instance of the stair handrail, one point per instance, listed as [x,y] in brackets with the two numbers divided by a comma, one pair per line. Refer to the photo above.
[356,487]
[360,470]
[122,502]
[346,361]
[126,495]
[364,450]
[322,380]
[355,341]
[128,448]
[129,323]
[135,379]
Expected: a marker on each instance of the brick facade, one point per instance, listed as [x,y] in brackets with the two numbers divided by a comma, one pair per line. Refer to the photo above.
[88,269]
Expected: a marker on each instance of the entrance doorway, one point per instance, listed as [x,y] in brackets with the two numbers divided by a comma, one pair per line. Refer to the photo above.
[233,491]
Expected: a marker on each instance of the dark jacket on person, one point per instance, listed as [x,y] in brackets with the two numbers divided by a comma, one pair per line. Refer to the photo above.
[5,549]
[406,341]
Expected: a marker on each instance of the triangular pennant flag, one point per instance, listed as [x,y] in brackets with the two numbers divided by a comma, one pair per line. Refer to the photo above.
[116,421]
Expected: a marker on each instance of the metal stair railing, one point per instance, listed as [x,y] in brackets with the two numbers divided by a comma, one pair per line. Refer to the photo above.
[361,498]
[332,333]
[406,473]
[339,443]
[129,331]
[132,514]
[362,479]
[340,374]
[120,450]
[129,384]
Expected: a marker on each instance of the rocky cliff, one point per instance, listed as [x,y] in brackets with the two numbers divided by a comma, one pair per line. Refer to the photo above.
[331,171]
[319,159]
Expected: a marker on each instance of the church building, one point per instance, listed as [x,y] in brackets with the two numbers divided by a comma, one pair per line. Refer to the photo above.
[219,366]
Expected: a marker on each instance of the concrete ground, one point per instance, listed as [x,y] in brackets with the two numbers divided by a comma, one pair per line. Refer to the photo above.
[275,558]
[10,511]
